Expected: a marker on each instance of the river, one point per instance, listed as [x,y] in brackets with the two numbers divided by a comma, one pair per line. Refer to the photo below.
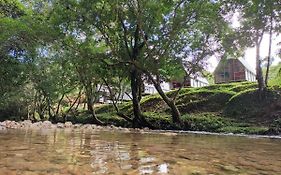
[78,152]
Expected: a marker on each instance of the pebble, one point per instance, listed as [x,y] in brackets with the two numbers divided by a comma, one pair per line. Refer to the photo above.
[27,124]
[68,124]
[60,125]
[46,125]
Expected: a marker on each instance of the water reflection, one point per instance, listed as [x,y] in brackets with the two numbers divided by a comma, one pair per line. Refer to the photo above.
[82,152]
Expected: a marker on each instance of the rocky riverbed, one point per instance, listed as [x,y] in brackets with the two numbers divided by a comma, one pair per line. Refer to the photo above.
[47,125]
[27,124]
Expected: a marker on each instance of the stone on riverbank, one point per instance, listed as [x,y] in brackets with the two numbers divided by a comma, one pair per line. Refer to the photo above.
[47,125]
[60,125]
[27,124]
[68,125]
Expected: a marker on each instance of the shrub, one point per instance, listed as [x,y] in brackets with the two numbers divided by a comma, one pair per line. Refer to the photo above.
[243,130]
[247,105]
[203,122]
[159,120]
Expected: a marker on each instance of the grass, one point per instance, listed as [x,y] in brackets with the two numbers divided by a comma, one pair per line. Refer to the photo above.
[231,108]
[274,78]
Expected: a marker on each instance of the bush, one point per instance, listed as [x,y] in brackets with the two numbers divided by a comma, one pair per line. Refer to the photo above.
[244,87]
[243,130]
[104,108]
[204,100]
[159,120]
[113,119]
[203,122]
[247,105]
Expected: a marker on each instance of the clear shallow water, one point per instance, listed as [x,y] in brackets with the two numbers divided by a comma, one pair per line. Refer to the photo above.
[79,152]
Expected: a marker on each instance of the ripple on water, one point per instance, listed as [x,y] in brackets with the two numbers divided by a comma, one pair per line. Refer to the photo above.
[99,152]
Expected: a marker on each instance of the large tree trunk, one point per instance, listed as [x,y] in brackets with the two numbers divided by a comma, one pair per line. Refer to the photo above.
[269,51]
[92,112]
[114,102]
[137,121]
[170,102]
[90,106]
[75,102]
[259,76]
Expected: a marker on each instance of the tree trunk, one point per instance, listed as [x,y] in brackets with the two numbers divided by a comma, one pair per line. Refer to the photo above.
[52,118]
[269,51]
[75,101]
[137,122]
[92,111]
[58,107]
[175,112]
[259,76]
[114,102]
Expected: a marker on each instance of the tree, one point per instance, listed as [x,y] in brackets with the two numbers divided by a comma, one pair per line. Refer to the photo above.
[257,17]
[17,45]
[161,40]
[174,35]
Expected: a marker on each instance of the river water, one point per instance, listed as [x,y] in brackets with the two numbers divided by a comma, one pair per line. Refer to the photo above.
[77,152]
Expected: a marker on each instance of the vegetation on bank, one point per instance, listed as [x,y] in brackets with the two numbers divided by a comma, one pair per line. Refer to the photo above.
[56,62]
[231,108]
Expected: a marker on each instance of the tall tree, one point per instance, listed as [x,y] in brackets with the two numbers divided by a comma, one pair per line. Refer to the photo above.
[257,17]
[149,38]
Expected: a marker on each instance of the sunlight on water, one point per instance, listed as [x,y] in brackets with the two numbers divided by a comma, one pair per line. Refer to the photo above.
[79,152]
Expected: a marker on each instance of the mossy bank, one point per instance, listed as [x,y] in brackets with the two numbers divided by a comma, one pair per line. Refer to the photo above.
[230,108]
[223,108]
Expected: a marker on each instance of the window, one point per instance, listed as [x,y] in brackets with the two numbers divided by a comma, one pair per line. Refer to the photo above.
[224,74]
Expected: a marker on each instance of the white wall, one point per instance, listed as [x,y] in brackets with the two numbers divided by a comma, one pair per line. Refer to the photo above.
[150,89]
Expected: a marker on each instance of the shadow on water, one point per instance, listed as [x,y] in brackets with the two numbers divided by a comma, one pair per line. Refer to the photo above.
[80,152]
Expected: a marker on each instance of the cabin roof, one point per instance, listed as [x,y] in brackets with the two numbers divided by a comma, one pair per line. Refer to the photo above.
[246,65]
[242,61]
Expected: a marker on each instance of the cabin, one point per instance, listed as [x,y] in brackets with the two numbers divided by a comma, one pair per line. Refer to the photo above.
[150,89]
[194,81]
[234,70]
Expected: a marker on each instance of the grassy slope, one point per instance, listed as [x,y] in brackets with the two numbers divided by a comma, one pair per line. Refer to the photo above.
[231,107]
[274,79]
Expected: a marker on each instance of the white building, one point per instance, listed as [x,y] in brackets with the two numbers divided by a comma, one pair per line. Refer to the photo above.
[150,89]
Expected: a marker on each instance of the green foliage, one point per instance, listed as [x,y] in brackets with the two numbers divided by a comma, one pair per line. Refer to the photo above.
[113,119]
[244,130]
[247,105]
[159,120]
[203,100]
[203,122]
[275,75]
[275,127]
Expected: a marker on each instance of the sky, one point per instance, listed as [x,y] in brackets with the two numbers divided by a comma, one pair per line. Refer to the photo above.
[250,53]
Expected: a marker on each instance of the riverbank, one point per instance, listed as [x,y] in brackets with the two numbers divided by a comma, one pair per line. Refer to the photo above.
[225,108]
[46,125]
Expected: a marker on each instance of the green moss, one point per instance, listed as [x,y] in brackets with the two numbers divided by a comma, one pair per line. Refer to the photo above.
[247,106]
[231,108]
[159,120]
[203,122]
[203,100]
[113,119]
[104,108]
[244,87]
